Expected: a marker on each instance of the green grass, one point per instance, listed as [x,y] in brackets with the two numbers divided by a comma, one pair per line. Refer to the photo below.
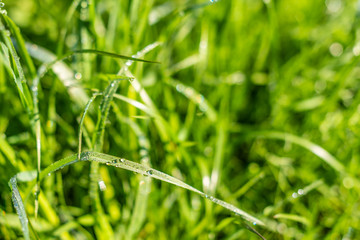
[239,119]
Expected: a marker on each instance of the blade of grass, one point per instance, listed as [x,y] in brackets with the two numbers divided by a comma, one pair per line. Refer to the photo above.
[312,147]
[142,169]
[83,118]
[292,217]
[134,167]
[19,207]
[97,143]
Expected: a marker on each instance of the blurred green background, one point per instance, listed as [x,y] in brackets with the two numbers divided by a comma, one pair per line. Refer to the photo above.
[259,107]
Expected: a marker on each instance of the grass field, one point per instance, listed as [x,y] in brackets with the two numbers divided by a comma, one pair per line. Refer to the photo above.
[228,119]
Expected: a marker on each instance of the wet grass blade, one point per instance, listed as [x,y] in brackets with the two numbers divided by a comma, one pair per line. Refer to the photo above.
[144,170]
[13,62]
[17,200]
[21,45]
[97,143]
[19,207]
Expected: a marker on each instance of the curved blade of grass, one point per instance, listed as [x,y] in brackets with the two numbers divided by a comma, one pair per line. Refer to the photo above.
[83,118]
[142,169]
[137,168]
[142,52]
[312,147]
[97,52]
[107,54]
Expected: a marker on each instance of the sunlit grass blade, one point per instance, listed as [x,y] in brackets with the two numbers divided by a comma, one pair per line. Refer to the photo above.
[292,217]
[142,52]
[196,98]
[312,147]
[142,169]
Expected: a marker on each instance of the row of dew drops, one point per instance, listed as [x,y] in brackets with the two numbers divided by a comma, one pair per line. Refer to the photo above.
[2,5]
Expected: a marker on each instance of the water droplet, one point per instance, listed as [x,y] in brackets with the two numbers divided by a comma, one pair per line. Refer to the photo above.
[149,172]
[189,92]
[85,156]
[254,223]
[78,76]
[84,4]
[3,12]
[34,88]
[333,6]
[7,32]
[49,174]
[180,88]
[294,195]
[300,192]
[122,160]
[128,63]
[131,79]
[356,49]
[115,161]
[336,49]
[2,4]
[213,1]
[102,185]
